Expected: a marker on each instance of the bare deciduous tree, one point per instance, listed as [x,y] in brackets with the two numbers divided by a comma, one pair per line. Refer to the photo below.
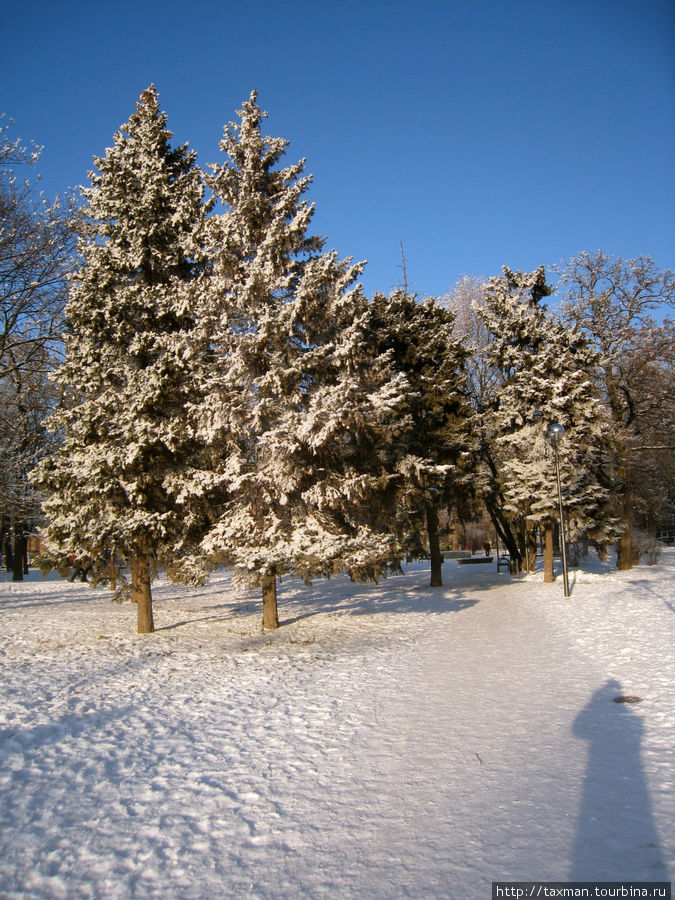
[36,251]
[613,301]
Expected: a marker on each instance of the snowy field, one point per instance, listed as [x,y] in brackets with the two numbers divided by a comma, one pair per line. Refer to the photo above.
[387,741]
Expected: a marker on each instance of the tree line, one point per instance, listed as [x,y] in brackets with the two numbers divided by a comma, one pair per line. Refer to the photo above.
[221,390]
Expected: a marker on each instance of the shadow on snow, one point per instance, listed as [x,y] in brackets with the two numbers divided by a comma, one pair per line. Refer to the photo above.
[398,593]
[407,593]
[615,819]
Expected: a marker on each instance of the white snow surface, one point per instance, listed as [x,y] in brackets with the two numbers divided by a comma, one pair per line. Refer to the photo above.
[387,741]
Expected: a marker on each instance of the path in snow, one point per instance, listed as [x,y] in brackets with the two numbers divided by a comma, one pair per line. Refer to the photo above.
[388,741]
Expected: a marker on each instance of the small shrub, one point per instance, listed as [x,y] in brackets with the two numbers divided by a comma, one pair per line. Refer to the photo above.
[646,549]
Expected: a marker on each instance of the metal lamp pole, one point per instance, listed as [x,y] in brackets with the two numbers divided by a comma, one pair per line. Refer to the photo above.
[556,431]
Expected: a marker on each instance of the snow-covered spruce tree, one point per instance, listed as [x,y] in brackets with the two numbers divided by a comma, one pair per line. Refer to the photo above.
[544,369]
[116,486]
[484,381]
[301,412]
[435,447]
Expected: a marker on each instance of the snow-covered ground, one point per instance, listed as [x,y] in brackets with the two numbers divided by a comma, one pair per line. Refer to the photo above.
[387,741]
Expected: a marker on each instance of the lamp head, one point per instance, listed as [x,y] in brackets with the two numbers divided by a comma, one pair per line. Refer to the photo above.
[556,430]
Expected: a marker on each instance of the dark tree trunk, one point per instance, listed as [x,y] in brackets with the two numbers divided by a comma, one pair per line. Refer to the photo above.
[8,558]
[19,556]
[434,546]
[522,544]
[505,534]
[142,594]
[457,537]
[531,549]
[624,555]
[549,575]
[113,573]
[624,550]
[269,600]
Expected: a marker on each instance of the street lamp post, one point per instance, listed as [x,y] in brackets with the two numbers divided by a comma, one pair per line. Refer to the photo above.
[556,431]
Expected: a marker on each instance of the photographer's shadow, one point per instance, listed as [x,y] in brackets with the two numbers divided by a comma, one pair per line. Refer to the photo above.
[616,838]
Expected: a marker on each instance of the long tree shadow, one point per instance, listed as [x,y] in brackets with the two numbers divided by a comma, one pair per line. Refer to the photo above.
[616,838]
[45,600]
[69,725]
[399,593]
[645,585]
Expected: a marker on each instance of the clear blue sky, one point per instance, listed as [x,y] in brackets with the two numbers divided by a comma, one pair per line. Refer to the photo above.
[479,133]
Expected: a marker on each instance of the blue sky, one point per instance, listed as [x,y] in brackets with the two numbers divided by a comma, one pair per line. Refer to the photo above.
[476,133]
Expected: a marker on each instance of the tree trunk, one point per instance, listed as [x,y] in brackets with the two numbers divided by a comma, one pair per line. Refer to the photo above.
[269,600]
[456,537]
[141,593]
[522,544]
[531,549]
[8,558]
[113,573]
[504,532]
[624,554]
[19,556]
[434,546]
[651,525]
[548,552]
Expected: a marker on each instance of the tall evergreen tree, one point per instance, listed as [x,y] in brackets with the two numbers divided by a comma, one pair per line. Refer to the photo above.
[484,381]
[117,485]
[544,368]
[301,409]
[435,447]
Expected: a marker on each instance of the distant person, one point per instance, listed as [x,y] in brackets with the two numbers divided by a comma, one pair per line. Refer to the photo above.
[486,547]
[79,572]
